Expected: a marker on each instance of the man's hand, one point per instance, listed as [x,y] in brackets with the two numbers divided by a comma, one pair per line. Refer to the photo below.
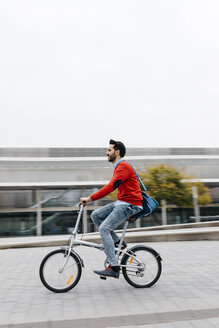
[85,200]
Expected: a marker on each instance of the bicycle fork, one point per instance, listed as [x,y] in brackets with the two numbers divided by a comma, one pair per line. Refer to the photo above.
[68,251]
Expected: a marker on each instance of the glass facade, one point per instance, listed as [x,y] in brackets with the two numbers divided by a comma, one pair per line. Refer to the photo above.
[63,223]
[59,222]
[11,199]
[57,211]
[180,215]
[17,224]
[60,198]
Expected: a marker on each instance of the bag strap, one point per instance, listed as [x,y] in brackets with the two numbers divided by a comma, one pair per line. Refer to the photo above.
[139,179]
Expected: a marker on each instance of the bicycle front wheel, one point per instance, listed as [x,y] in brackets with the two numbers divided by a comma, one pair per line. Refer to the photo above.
[60,273]
[142,266]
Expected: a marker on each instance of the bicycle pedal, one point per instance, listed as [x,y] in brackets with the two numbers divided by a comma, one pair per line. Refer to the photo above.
[102,277]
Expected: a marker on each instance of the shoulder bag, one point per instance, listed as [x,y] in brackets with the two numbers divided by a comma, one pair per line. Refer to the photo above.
[148,203]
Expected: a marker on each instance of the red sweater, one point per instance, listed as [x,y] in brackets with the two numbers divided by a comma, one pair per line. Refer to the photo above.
[125,179]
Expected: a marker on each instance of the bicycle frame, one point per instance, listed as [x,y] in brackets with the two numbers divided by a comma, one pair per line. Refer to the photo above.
[78,242]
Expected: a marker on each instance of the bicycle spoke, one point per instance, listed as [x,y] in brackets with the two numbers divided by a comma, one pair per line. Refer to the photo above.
[58,276]
[142,267]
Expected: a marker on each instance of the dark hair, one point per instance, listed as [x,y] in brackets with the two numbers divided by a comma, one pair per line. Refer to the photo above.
[118,145]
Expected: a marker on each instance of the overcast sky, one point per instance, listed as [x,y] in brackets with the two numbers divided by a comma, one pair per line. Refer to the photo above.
[77,73]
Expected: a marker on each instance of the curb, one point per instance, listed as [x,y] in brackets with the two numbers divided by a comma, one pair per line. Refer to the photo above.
[186,234]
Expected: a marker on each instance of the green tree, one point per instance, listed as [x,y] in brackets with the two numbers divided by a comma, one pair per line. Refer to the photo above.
[166,182]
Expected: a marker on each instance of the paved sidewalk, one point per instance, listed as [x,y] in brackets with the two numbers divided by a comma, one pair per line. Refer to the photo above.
[187,294]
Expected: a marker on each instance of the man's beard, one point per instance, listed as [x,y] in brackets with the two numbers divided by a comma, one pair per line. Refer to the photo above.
[111,158]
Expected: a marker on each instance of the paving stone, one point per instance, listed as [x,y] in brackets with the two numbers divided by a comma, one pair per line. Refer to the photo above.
[189,282]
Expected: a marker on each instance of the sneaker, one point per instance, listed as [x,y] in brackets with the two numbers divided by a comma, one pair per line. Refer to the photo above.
[108,272]
[124,245]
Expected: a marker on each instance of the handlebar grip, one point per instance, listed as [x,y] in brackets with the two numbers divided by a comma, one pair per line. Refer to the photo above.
[83,204]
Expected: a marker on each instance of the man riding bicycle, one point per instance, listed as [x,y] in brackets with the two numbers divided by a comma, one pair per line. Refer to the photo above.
[110,216]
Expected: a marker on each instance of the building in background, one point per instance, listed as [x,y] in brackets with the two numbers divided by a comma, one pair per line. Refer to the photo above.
[41,187]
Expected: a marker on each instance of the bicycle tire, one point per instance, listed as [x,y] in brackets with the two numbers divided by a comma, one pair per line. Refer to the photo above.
[147,256]
[70,275]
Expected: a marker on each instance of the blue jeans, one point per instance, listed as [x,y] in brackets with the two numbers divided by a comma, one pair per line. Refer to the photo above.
[107,218]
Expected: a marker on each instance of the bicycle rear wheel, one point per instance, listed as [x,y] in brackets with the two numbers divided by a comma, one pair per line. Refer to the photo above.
[142,266]
[58,275]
